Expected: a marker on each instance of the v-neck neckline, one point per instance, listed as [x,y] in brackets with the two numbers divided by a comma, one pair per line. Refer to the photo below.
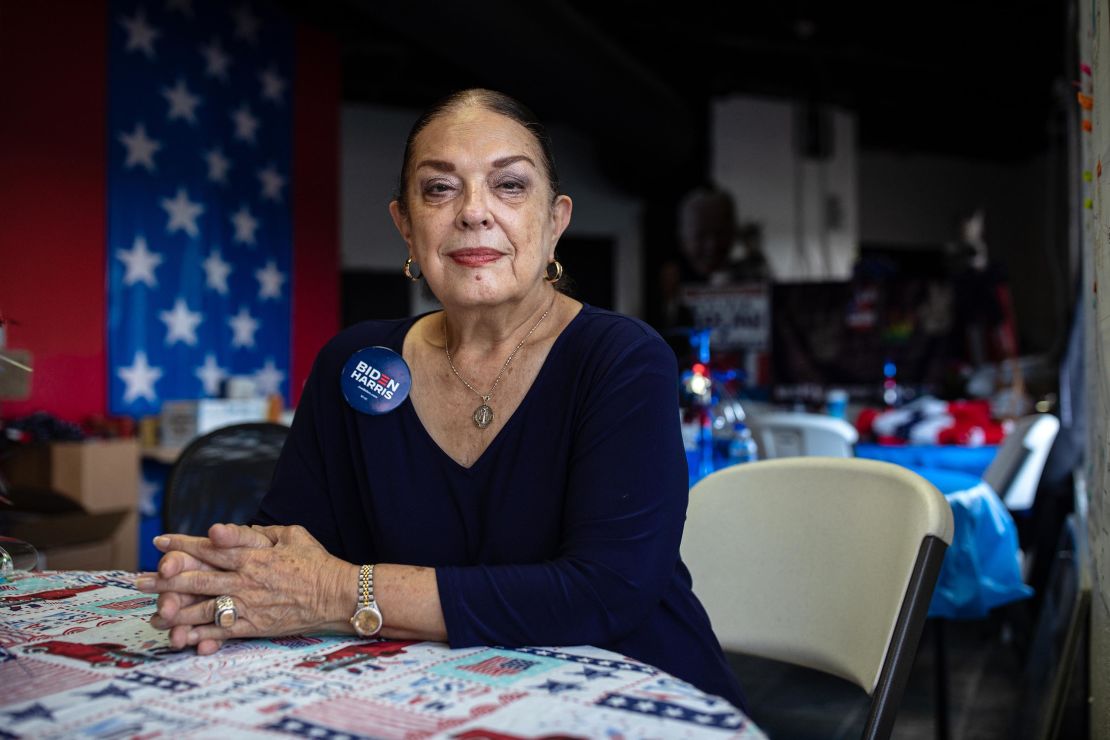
[410,408]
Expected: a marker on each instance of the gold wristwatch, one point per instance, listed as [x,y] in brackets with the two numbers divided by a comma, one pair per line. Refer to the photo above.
[367,619]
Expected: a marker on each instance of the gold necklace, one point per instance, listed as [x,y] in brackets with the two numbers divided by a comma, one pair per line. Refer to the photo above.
[483,415]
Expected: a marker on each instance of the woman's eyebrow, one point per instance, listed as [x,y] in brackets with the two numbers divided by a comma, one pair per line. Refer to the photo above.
[436,164]
[506,161]
[444,166]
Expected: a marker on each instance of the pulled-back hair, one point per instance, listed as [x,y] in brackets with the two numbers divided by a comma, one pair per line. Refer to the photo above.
[495,102]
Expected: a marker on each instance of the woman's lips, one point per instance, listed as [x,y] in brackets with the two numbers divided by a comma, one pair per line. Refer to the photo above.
[475,257]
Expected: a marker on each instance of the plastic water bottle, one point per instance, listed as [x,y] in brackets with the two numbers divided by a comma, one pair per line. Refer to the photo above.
[742,448]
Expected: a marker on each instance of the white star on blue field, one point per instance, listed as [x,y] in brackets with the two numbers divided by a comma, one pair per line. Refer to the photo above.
[200,189]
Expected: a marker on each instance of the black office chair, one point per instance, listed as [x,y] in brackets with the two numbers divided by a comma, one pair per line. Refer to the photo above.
[221,477]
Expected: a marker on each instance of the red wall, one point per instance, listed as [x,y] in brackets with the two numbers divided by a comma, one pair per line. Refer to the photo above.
[53,217]
[53,214]
[316,90]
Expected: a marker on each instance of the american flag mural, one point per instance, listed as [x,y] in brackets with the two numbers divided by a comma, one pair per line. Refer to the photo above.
[199,161]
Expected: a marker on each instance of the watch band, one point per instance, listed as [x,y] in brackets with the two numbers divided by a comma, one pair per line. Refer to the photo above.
[367,619]
[365,585]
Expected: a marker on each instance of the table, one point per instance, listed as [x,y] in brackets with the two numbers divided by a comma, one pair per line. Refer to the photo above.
[78,657]
[972,460]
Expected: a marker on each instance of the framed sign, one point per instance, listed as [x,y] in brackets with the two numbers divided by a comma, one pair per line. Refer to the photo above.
[739,314]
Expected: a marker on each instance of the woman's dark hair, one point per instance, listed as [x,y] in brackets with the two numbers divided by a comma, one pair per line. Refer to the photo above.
[490,100]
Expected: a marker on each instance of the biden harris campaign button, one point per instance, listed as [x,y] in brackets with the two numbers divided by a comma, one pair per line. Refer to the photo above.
[375,380]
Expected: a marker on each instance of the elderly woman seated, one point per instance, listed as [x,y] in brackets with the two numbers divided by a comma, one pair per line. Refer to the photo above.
[517,478]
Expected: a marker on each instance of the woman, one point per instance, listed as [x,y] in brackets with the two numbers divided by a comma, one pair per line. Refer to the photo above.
[532,488]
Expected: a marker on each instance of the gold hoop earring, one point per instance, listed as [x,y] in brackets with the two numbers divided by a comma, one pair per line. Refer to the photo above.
[558,272]
[408,271]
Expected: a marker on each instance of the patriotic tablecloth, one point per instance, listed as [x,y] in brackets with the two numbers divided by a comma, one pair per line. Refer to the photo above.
[78,658]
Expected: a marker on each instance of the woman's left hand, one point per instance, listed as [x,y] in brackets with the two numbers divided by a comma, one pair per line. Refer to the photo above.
[281,580]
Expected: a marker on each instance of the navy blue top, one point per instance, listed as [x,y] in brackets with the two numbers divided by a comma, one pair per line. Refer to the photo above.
[564,532]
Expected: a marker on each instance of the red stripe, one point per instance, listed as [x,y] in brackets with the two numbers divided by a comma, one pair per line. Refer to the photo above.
[315,199]
[31,678]
[53,215]
[361,717]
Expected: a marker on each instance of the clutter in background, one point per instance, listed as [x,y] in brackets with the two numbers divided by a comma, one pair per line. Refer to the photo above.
[929,420]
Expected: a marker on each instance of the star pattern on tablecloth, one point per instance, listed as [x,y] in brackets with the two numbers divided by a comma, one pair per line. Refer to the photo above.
[111,690]
[34,711]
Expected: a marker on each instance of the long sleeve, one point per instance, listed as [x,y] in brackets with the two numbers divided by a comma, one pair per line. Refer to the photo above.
[624,508]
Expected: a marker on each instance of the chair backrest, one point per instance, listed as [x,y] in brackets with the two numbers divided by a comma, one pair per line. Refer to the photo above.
[793,434]
[1015,472]
[827,563]
[221,477]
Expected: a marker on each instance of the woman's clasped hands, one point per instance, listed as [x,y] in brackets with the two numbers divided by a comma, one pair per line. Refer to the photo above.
[280,579]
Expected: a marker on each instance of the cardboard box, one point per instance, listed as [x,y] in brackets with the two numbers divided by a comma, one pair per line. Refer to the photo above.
[93,556]
[104,541]
[100,474]
[103,476]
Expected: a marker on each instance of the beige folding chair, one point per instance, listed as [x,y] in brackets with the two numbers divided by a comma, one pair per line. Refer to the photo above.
[789,434]
[822,562]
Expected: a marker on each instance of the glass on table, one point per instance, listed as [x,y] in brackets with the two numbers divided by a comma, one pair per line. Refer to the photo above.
[16,555]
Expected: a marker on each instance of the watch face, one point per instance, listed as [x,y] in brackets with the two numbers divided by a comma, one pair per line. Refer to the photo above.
[367,621]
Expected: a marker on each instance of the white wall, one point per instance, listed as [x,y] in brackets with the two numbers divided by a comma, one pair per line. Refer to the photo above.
[754,158]
[373,140]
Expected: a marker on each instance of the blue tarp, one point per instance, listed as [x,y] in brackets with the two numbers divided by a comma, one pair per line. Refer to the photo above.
[981,569]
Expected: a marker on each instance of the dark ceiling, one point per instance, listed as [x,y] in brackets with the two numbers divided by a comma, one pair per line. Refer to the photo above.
[984,80]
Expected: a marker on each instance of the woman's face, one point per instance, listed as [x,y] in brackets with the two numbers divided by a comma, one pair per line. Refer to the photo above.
[480,221]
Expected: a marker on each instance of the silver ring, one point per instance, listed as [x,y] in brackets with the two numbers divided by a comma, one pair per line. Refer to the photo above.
[226,613]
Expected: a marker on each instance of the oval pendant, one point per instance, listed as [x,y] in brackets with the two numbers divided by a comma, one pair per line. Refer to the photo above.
[483,416]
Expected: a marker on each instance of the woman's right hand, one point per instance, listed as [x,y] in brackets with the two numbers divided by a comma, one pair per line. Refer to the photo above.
[281,580]
[176,562]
